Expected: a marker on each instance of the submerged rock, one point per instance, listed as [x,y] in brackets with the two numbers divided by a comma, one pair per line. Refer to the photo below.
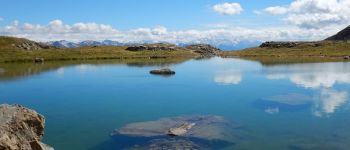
[21,128]
[183,132]
[162,72]
[208,127]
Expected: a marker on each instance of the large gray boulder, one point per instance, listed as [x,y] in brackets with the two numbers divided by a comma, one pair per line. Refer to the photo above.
[21,129]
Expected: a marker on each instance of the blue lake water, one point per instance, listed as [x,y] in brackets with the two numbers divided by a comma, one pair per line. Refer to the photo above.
[279,107]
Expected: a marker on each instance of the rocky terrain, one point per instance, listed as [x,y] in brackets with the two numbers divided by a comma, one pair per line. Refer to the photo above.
[273,44]
[203,49]
[21,43]
[21,129]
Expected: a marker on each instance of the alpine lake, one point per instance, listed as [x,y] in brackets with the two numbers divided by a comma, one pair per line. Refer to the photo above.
[233,103]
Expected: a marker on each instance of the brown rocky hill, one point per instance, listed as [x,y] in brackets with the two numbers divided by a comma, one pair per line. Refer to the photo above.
[343,35]
[20,43]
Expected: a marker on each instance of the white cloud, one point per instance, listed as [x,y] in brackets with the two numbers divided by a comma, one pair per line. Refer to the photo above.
[228,77]
[1,18]
[314,13]
[276,10]
[220,34]
[228,8]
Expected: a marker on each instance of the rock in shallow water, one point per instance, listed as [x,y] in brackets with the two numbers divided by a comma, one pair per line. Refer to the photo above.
[208,127]
[162,72]
[21,128]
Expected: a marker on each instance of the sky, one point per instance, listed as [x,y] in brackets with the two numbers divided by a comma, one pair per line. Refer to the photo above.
[227,22]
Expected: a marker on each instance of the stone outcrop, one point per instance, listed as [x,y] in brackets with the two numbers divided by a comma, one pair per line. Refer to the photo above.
[272,44]
[162,72]
[30,45]
[204,49]
[21,129]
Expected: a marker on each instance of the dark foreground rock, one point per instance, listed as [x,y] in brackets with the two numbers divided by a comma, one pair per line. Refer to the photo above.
[21,129]
[162,72]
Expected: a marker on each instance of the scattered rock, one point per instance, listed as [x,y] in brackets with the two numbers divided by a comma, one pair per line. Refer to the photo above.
[272,44]
[30,45]
[346,57]
[39,60]
[204,49]
[162,72]
[160,47]
[21,128]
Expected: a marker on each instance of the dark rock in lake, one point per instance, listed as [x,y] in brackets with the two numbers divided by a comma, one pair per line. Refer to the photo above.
[21,128]
[162,72]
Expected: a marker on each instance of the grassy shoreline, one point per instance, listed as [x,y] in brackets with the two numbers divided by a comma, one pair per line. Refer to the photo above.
[324,50]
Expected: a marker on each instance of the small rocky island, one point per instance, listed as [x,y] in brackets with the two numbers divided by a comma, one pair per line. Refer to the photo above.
[21,129]
[165,71]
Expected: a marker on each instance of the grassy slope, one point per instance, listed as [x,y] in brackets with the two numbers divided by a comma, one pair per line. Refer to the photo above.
[326,50]
[9,53]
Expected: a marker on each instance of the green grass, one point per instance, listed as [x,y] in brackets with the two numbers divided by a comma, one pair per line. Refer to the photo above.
[327,51]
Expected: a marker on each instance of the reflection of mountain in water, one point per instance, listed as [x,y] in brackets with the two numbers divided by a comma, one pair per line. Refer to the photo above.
[321,77]
[12,71]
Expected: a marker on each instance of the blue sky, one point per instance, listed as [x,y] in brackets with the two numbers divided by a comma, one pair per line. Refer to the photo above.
[128,14]
[176,21]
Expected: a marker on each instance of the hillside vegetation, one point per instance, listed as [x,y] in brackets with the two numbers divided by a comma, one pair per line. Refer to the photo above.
[322,49]
[21,50]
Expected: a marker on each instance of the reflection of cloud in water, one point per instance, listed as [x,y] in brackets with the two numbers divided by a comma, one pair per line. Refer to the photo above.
[60,72]
[85,68]
[228,77]
[272,111]
[312,75]
[329,101]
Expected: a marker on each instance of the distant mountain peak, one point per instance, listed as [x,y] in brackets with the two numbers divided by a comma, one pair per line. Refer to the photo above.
[343,35]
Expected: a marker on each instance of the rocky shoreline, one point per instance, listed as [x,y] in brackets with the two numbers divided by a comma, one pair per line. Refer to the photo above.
[21,129]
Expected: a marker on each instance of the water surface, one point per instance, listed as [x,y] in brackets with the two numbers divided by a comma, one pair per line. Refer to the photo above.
[279,107]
